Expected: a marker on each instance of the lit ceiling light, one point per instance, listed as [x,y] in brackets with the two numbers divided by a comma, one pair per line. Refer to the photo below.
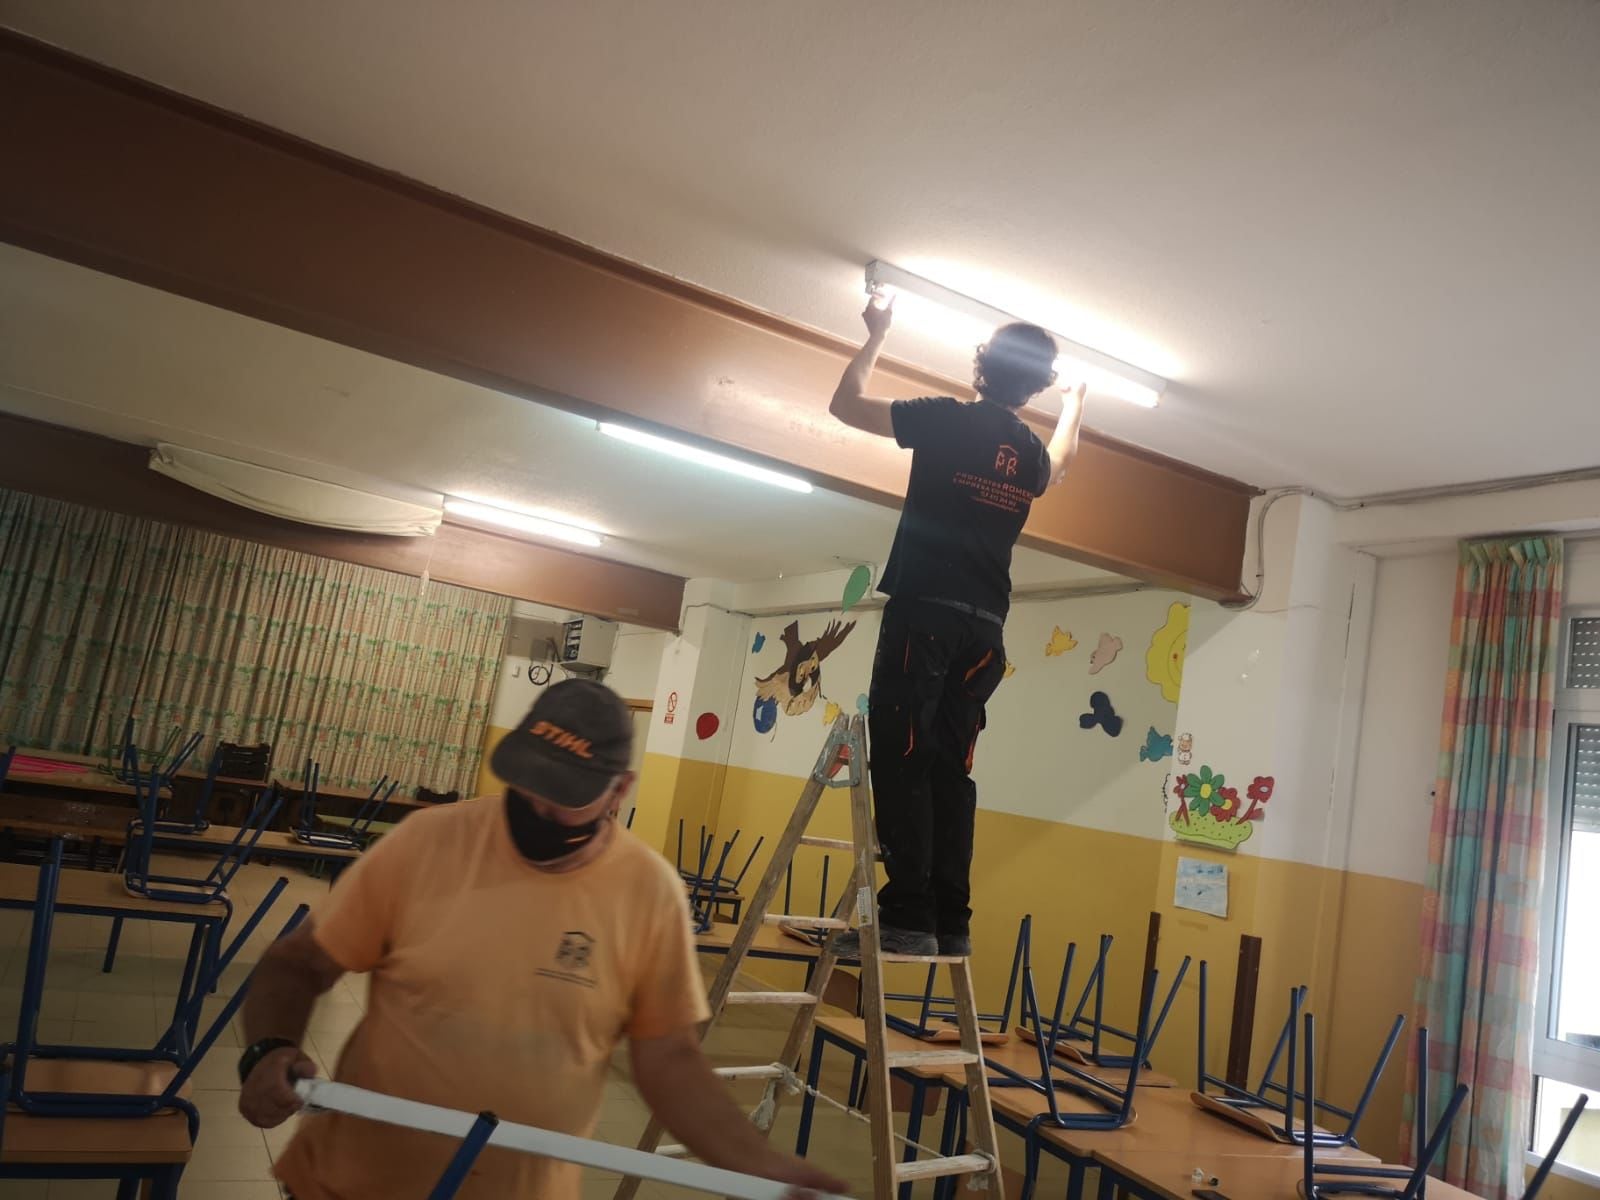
[957,318]
[522,522]
[704,458]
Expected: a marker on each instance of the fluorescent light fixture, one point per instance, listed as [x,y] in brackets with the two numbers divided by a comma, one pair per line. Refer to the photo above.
[704,458]
[522,522]
[955,317]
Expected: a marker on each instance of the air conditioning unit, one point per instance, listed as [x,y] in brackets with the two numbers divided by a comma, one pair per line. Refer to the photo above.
[588,642]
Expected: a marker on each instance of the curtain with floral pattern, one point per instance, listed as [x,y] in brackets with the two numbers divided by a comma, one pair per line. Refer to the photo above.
[366,671]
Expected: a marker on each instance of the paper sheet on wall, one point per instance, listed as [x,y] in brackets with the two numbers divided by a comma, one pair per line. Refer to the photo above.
[1201,886]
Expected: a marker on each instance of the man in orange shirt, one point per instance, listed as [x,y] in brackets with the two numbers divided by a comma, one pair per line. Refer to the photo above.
[512,942]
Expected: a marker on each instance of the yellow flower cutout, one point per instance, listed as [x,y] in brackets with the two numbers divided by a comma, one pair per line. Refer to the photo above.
[830,714]
[1060,642]
[1163,662]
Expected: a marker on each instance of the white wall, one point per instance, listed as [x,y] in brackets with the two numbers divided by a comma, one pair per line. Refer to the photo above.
[636,661]
[1034,759]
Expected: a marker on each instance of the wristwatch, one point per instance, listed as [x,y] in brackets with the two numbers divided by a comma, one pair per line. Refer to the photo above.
[255,1053]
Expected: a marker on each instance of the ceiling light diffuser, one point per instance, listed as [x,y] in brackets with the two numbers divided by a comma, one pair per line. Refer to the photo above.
[961,320]
[522,522]
[705,458]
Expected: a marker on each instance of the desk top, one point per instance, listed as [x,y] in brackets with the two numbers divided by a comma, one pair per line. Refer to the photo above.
[398,800]
[273,841]
[89,778]
[84,816]
[97,763]
[1168,1121]
[771,942]
[1170,1174]
[99,890]
[163,1138]
[1021,1054]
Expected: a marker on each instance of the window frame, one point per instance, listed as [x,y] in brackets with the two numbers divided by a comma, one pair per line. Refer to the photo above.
[1553,1059]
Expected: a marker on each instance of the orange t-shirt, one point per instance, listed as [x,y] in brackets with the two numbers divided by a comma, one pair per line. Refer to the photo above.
[495,986]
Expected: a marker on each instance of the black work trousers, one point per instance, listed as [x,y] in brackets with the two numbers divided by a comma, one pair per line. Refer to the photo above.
[934,670]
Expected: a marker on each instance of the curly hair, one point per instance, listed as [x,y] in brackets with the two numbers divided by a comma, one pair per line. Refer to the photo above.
[1017,363]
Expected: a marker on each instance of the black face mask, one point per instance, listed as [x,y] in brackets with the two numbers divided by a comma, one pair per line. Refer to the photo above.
[542,840]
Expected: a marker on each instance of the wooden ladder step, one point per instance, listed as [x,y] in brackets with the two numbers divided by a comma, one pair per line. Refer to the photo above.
[931,1058]
[672,1150]
[798,999]
[938,1168]
[921,958]
[805,922]
[827,843]
[768,1071]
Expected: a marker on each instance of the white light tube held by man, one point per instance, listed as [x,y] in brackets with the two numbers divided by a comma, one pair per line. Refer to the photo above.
[957,318]
[704,458]
[522,522]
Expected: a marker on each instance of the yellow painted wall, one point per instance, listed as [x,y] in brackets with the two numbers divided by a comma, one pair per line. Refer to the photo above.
[1352,937]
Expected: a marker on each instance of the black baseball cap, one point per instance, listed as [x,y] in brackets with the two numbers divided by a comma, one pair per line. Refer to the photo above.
[575,740]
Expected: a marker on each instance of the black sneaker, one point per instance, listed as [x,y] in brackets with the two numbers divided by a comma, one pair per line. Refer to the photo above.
[890,941]
[955,945]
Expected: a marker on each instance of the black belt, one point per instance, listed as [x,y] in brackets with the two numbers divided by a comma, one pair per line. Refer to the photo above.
[972,610]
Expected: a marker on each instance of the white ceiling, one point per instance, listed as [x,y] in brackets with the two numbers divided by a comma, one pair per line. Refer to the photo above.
[98,353]
[1360,236]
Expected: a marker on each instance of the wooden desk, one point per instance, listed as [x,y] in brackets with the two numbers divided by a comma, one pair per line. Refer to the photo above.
[90,778]
[352,794]
[99,893]
[1020,1054]
[106,1142]
[105,894]
[216,838]
[97,762]
[771,942]
[63,817]
[1168,1175]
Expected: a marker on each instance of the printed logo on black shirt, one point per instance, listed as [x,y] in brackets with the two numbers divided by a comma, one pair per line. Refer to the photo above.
[975,472]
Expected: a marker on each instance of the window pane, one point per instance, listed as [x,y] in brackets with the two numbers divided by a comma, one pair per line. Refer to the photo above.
[1583,652]
[1555,1101]
[1577,1015]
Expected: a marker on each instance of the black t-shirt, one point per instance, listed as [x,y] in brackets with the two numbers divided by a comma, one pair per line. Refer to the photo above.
[975,470]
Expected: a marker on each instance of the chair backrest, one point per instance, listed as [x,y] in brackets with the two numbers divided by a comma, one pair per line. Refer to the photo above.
[244,762]
[428,796]
[1428,1144]
[113,1105]
[1536,1184]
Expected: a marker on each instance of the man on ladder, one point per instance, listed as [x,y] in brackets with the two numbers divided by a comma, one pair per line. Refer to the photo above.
[976,469]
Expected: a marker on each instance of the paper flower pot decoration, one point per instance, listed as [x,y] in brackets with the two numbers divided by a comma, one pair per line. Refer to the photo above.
[1210,813]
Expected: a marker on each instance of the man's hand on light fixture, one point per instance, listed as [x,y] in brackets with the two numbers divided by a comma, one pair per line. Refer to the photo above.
[878,315]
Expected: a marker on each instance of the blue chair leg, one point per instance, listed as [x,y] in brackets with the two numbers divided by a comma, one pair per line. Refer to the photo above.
[111,946]
[455,1174]
[164,1182]
[128,1187]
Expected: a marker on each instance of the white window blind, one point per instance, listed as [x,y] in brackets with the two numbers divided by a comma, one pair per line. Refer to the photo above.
[1583,784]
[1583,652]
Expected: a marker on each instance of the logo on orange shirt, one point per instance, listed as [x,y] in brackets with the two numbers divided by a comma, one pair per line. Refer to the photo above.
[574,951]
[562,739]
[1005,461]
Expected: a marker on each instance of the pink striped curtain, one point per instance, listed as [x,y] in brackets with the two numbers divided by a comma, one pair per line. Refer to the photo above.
[1480,924]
